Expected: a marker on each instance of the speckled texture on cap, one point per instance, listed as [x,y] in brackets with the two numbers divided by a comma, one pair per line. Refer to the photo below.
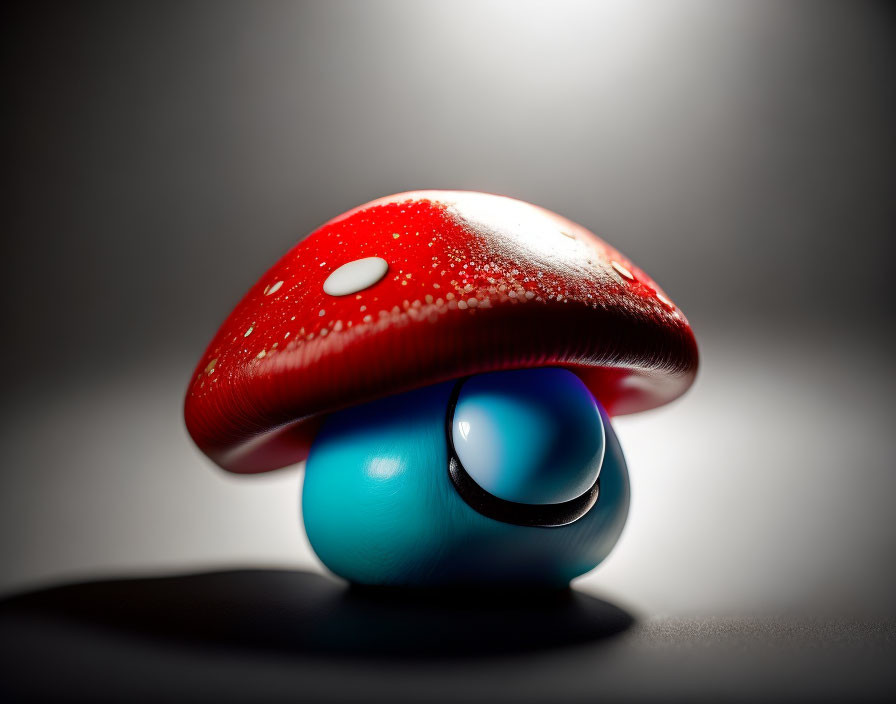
[472,283]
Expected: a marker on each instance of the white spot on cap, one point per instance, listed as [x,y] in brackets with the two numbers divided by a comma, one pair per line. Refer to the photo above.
[355,276]
[273,289]
[665,301]
[622,270]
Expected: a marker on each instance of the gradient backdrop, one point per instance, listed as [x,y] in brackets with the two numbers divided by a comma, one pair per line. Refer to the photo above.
[158,158]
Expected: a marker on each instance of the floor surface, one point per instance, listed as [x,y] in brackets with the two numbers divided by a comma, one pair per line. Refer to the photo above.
[261,635]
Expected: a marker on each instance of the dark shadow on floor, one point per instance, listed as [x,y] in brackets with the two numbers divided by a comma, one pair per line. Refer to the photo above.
[300,612]
[268,635]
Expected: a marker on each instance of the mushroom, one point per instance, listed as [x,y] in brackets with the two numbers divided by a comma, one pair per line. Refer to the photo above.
[447,362]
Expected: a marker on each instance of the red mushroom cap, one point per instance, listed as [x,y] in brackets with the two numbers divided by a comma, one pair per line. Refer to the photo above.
[470,283]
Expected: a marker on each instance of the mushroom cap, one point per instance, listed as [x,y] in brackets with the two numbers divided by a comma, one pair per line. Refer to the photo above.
[453,283]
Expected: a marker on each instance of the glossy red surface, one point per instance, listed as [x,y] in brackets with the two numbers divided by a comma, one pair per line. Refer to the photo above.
[475,283]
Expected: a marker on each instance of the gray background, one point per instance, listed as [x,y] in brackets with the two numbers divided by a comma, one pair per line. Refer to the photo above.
[158,158]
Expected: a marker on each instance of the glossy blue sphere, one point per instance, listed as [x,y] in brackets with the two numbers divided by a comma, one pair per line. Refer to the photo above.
[532,436]
[380,508]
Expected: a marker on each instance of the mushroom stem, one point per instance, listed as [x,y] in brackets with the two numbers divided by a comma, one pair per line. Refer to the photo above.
[380,506]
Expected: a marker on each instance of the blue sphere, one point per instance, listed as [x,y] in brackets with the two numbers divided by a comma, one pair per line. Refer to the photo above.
[533,436]
[380,508]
